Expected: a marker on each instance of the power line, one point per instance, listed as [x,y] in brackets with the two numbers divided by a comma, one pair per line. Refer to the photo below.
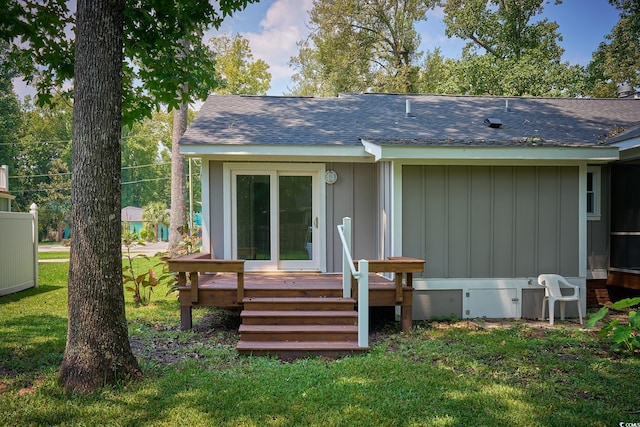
[54,141]
[69,173]
[146,180]
[35,190]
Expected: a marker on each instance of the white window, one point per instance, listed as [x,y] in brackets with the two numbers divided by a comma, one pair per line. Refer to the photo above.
[593,193]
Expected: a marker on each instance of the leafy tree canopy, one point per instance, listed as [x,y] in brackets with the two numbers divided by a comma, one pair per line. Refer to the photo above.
[10,118]
[508,52]
[360,46]
[238,73]
[156,62]
[146,161]
[617,60]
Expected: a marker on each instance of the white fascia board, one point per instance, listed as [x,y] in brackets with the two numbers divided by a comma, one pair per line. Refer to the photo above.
[278,152]
[629,149]
[475,153]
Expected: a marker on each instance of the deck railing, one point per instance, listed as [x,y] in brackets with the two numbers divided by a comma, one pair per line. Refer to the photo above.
[361,276]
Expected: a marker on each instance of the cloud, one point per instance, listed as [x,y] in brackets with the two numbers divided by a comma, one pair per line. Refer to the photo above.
[283,25]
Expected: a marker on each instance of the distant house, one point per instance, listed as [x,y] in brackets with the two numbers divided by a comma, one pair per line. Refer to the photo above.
[133,216]
[490,191]
[5,196]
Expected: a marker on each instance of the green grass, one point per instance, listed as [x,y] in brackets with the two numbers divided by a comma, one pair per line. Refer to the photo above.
[439,374]
[53,255]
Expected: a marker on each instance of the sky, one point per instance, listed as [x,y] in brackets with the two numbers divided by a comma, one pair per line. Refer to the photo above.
[274,26]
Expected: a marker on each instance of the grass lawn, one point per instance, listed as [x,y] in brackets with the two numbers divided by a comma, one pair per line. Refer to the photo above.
[439,374]
[53,255]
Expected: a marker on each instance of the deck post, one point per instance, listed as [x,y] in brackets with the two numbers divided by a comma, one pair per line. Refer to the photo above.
[185,317]
[363,303]
[346,267]
[193,279]
[240,282]
[398,283]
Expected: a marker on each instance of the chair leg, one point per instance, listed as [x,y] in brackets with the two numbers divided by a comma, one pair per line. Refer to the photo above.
[579,312]
[544,303]
[562,306]
[552,304]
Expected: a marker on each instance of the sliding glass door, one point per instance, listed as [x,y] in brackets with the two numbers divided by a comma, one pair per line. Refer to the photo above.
[275,219]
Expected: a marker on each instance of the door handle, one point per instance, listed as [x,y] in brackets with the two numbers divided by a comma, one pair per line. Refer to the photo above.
[315,222]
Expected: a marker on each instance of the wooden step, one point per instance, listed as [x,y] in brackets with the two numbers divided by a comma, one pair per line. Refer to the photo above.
[301,290]
[298,333]
[299,317]
[295,350]
[299,304]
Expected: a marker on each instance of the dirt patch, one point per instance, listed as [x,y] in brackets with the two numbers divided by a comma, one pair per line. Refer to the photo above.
[169,345]
[219,327]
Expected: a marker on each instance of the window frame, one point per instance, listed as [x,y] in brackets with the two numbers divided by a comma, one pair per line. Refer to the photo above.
[596,177]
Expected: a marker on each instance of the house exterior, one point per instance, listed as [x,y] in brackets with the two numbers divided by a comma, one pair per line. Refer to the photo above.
[132,216]
[490,191]
[5,196]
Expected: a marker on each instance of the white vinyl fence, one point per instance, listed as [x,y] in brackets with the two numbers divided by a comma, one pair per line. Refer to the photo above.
[18,251]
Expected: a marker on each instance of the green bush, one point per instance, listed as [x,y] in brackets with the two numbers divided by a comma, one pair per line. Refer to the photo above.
[625,337]
[147,235]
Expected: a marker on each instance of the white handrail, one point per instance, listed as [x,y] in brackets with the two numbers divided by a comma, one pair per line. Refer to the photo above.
[362,276]
[347,251]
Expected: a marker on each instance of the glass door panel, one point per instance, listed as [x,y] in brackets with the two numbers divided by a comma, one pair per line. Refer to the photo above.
[253,215]
[295,218]
[275,218]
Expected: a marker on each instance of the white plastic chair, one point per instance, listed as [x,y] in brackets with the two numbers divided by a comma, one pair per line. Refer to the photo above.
[552,284]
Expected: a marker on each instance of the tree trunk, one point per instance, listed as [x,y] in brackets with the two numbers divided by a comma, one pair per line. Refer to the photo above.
[98,350]
[178,199]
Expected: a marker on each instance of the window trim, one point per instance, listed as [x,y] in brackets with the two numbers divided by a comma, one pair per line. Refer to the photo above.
[596,174]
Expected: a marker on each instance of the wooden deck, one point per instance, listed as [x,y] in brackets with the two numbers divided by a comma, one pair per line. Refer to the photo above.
[629,279]
[291,314]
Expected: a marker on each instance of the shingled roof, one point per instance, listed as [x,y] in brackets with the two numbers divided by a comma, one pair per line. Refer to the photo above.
[439,120]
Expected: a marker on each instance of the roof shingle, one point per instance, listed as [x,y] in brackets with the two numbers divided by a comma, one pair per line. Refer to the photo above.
[435,119]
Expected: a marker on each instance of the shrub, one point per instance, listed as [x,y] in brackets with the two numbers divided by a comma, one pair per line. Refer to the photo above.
[141,285]
[625,337]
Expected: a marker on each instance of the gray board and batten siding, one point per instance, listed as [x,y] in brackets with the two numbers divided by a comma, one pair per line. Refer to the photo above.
[489,222]
[354,195]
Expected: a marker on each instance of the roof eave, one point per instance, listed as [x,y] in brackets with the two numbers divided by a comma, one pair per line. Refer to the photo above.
[344,153]
[596,154]
[629,148]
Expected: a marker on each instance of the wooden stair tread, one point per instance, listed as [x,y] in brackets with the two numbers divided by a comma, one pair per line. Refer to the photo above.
[298,299]
[299,345]
[299,313]
[298,328]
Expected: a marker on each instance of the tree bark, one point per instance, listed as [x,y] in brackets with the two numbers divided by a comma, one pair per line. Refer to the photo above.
[97,350]
[178,199]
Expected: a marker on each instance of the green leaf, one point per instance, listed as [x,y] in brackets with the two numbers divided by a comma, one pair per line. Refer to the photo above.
[634,319]
[625,303]
[608,328]
[622,333]
[596,317]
